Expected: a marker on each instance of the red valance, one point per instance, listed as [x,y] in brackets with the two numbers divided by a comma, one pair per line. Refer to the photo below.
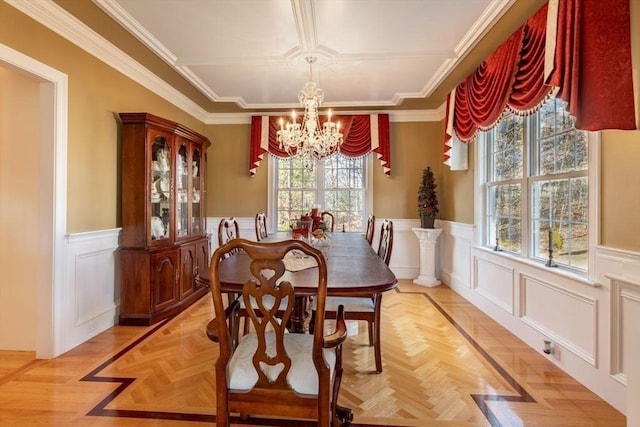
[511,77]
[586,57]
[363,134]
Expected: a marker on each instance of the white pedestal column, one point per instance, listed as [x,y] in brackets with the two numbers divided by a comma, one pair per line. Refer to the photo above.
[427,238]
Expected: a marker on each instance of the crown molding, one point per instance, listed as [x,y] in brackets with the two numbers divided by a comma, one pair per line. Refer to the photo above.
[66,25]
[492,14]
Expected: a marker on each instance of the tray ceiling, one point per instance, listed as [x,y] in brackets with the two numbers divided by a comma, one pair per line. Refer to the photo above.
[372,53]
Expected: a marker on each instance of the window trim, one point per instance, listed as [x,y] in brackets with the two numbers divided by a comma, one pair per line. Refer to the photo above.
[480,205]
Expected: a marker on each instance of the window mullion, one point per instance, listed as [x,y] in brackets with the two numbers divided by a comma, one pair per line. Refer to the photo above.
[320,180]
[530,164]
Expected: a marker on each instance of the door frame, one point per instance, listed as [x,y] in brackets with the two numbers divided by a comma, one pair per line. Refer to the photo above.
[52,197]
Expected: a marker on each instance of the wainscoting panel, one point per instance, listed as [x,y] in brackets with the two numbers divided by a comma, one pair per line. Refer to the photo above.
[537,303]
[246,228]
[91,294]
[496,282]
[94,273]
[455,253]
[566,318]
[405,255]
[625,336]
[625,329]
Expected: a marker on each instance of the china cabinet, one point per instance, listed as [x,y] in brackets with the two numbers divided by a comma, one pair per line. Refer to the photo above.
[164,242]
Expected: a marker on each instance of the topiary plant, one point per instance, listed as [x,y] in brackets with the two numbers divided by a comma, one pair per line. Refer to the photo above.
[427,199]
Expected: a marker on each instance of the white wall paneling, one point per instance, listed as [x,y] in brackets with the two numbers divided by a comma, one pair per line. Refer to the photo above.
[565,317]
[246,229]
[625,337]
[405,255]
[495,281]
[91,293]
[537,303]
[455,253]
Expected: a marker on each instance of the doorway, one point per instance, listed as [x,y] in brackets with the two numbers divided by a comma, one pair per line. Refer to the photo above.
[49,162]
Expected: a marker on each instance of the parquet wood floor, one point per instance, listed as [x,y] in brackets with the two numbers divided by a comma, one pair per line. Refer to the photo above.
[445,364]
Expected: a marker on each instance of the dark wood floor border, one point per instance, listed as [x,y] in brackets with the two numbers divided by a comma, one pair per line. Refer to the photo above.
[100,411]
[482,399]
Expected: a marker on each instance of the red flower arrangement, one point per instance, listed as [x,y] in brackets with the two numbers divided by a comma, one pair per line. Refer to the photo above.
[316,224]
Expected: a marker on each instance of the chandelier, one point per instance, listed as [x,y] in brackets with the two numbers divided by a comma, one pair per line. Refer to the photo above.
[308,139]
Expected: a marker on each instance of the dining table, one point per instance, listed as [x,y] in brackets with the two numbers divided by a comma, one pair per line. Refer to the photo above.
[354,269]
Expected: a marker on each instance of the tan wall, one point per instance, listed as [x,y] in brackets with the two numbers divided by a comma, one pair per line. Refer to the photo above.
[234,193]
[413,147]
[96,93]
[19,110]
[620,190]
[457,191]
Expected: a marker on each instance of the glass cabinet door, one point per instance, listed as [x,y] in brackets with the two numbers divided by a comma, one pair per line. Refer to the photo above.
[160,188]
[182,191]
[196,193]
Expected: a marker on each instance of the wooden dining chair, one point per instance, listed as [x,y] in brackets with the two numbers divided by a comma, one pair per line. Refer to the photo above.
[261,226]
[371,228]
[329,220]
[228,230]
[364,308]
[385,244]
[270,372]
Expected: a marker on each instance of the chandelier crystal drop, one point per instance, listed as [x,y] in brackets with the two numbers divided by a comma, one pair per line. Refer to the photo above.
[308,139]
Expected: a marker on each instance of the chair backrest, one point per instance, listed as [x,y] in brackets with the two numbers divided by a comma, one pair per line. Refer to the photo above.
[261,226]
[228,230]
[371,224]
[266,291]
[386,241]
[329,220]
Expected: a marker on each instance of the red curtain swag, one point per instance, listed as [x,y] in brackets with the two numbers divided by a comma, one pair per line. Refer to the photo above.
[362,134]
[592,65]
[510,78]
[588,62]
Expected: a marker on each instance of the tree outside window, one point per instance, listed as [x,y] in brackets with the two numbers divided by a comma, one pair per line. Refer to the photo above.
[537,186]
[336,184]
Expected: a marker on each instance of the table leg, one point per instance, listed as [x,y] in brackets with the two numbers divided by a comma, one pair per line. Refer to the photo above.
[297,317]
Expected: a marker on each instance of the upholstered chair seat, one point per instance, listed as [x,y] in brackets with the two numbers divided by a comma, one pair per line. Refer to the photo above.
[243,376]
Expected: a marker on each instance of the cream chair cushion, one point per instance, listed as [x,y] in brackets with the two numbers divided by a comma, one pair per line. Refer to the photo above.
[351,304]
[302,377]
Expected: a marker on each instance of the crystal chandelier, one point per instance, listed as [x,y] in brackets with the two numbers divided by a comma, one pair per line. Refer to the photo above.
[309,140]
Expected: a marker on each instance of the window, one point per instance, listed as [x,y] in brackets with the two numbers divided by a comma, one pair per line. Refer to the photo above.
[537,187]
[336,184]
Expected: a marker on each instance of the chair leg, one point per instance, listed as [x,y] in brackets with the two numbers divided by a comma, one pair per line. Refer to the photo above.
[372,335]
[377,340]
[312,322]
[247,323]
[377,349]
[340,415]
[235,329]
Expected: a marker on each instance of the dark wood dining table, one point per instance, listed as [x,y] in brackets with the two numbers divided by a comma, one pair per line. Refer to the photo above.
[353,269]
